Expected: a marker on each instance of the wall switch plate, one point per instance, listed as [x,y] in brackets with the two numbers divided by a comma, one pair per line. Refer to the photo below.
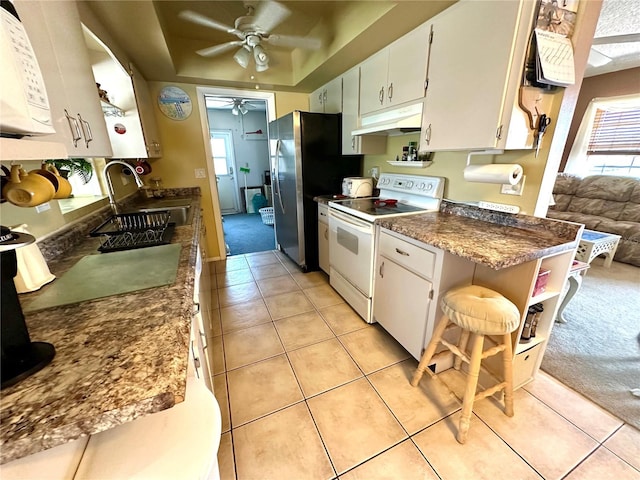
[375,172]
[200,173]
[513,189]
[43,207]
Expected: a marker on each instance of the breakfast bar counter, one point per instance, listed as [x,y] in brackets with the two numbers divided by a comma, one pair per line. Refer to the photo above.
[117,358]
[494,239]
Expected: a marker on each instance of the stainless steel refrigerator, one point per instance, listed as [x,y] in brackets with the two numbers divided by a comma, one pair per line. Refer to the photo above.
[306,161]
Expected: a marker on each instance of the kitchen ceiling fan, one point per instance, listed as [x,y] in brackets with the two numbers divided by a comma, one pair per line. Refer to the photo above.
[240,106]
[252,30]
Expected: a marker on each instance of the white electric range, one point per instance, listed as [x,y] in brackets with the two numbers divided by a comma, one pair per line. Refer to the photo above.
[352,231]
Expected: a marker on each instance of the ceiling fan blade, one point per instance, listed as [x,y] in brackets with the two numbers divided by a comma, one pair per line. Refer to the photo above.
[218,49]
[205,21]
[269,14]
[627,38]
[308,43]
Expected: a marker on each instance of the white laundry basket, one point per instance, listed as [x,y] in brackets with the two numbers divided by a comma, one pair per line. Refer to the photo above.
[267,215]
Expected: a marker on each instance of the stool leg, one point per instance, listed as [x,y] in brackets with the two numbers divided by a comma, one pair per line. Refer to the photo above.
[507,359]
[431,349]
[470,391]
[462,345]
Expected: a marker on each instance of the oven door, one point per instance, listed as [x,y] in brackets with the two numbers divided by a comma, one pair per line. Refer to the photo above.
[351,249]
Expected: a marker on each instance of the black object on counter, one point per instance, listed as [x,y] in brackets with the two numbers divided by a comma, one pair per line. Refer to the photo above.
[20,356]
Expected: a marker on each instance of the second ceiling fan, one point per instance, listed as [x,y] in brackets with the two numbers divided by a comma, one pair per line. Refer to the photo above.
[252,30]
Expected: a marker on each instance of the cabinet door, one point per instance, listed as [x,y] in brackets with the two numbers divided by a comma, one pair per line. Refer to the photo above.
[350,104]
[315,101]
[401,302]
[373,81]
[145,111]
[468,71]
[82,101]
[332,96]
[323,246]
[408,67]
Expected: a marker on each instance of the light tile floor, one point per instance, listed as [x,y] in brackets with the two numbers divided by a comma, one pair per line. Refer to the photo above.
[308,390]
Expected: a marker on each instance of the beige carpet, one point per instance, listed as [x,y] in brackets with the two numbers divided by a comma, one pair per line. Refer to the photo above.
[597,352]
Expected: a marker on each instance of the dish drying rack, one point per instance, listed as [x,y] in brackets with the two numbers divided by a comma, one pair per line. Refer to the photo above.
[127,231]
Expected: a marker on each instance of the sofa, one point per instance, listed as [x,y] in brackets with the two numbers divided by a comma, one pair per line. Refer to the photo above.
[604,203]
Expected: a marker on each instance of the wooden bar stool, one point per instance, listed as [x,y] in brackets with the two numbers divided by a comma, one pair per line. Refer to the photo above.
[481,311]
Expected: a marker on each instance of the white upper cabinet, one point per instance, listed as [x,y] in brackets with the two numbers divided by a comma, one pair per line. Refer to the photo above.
[132,128]
[397,73]
[356,144]
[328,98]
[475,64]
[55,32]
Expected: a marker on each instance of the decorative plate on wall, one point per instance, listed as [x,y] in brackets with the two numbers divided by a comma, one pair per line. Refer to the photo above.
[175,103]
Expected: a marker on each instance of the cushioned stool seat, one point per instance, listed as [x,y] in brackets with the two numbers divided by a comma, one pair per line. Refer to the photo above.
[481,311]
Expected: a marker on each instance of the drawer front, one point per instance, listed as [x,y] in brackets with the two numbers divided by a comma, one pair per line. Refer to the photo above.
[408,255]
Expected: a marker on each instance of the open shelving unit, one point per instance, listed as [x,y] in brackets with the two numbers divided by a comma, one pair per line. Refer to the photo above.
[517,284]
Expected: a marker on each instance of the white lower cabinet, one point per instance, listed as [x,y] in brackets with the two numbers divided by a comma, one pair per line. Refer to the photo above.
[401,304]
[323,237]
[410,278]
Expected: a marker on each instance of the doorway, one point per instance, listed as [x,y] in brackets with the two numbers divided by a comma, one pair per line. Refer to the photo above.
[238,168]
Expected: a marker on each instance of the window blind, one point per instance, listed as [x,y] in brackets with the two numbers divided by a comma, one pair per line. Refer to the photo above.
[615,132]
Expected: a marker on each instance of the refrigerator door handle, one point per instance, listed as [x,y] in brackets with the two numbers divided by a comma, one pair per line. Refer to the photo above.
[276,174]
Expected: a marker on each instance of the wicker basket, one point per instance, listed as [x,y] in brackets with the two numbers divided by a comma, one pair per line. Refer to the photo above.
[267,215]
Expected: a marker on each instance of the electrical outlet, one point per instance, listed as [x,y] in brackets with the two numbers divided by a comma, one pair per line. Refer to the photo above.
[200,173]
[513,189]
[375,172]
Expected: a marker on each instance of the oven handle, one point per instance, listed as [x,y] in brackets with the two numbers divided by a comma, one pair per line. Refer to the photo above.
[355,223]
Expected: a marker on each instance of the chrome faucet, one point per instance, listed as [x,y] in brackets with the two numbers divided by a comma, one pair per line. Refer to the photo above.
[107,178]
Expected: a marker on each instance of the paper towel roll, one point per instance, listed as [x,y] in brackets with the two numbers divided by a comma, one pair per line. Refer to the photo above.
[494,173]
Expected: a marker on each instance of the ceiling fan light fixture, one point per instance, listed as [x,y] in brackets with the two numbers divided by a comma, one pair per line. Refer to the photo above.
[260,55]
[235,110]
[261,68]
[243,109]
[242,57]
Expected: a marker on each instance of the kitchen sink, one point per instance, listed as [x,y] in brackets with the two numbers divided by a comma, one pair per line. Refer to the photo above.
[179,215]
[179,209]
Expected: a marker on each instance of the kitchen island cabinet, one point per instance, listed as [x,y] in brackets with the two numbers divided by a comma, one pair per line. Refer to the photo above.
[117,358]
[55,32]
[507,253]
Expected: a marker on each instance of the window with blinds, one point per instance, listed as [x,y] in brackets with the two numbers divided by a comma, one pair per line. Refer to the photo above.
[615,132]
[614,145]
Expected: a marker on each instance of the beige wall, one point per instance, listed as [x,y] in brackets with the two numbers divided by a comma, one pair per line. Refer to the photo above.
[613,84]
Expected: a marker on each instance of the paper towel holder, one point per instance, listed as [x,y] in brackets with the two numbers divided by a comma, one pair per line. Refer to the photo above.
[483,152]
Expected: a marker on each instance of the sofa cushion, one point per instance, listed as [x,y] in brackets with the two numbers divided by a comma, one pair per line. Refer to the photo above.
[630,212]
[562,201]
[624,229]
[607,187]
[596,206]
[589,221]
[566,184]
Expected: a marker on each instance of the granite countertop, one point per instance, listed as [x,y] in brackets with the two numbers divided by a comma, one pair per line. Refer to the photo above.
[497,240]
[117,358]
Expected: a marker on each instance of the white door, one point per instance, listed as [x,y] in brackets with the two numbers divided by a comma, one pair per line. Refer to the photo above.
[224,166]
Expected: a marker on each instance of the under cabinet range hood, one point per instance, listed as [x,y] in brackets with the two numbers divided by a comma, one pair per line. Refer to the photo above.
[397,121]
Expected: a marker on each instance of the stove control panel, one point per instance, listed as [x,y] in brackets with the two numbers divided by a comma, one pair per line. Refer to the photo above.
[412,184]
